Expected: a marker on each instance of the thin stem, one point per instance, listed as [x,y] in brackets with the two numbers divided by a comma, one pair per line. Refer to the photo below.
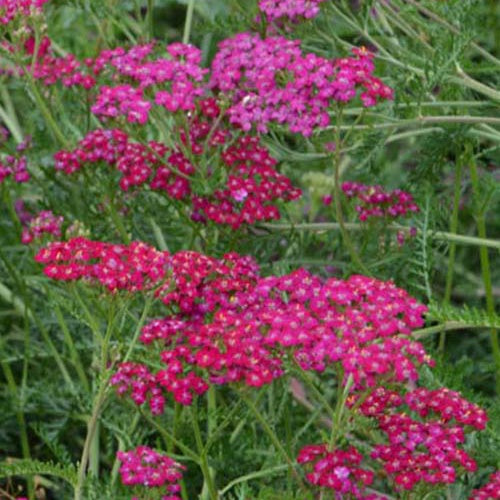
[432,15]
[150,20]
[470,82]
[485,264]
[91,431]
[252,475]
[189,21]
[353,226]
[449,325]
[453,245]
[276,442]
[208,485]
[337,199]
[44,109]
[23,430]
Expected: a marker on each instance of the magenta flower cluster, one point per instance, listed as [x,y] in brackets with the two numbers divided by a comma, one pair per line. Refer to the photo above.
[253,186]
[291,10]
[374,202]
[338,470]
[228,324]
[44,223]
[10,9]
[424,448]
[490,491]
[136,267]
[15,167]
[146,467]
[270,80]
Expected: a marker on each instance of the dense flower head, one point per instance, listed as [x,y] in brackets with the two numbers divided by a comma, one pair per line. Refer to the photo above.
[339,470]
[10,9]
[253,184]
[45,222]
[375,202]
[249,186]
[424,448]
[131,267]
[270,80]
[228,324]
[145,466]
[490,491]
[448,404]
[15,167]
[292,10]
[421,451]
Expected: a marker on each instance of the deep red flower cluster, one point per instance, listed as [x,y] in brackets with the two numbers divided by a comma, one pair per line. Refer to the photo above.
[228,324]
[135,267]
[270,80]
[46,222]
[425,448]
[338,470]
[145,466]
[490,491]
[14,167]
[252,184]
[10,9]
[291,10]
[375,202]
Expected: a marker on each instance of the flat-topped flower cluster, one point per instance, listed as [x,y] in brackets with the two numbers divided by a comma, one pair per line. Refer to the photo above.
[228,324]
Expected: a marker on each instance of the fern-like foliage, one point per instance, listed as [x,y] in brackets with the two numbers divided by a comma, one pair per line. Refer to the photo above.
[471,316]
[34,467]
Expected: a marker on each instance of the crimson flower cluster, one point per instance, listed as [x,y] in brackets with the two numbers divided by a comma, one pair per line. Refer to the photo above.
[228,324]
[292,10]
[270,80]
[45,222]
[338,470]
[136,267]
[10,9]
[14,167]
[375,202]
[490,491]
[424,448]
[252,184]
[146,467]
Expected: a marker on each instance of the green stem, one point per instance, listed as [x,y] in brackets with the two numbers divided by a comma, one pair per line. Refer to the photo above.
[449,325]
[274,439]
[432,15]
[338,199]
[89,440]
[75,357]
[208,485]
[44,109]
[23,431]
[189,21]
[150,20]
[117,220]
[470,82]
[485,264]
[334,226]
[167,436]
[453,245]
[252,475]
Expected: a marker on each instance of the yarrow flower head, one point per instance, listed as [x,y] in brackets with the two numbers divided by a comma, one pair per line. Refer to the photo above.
[46,222]
[490,491]
[291,10]
[145,466]
[270,80]
[374,202]
[10,9]
[251,187]
[339,470]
